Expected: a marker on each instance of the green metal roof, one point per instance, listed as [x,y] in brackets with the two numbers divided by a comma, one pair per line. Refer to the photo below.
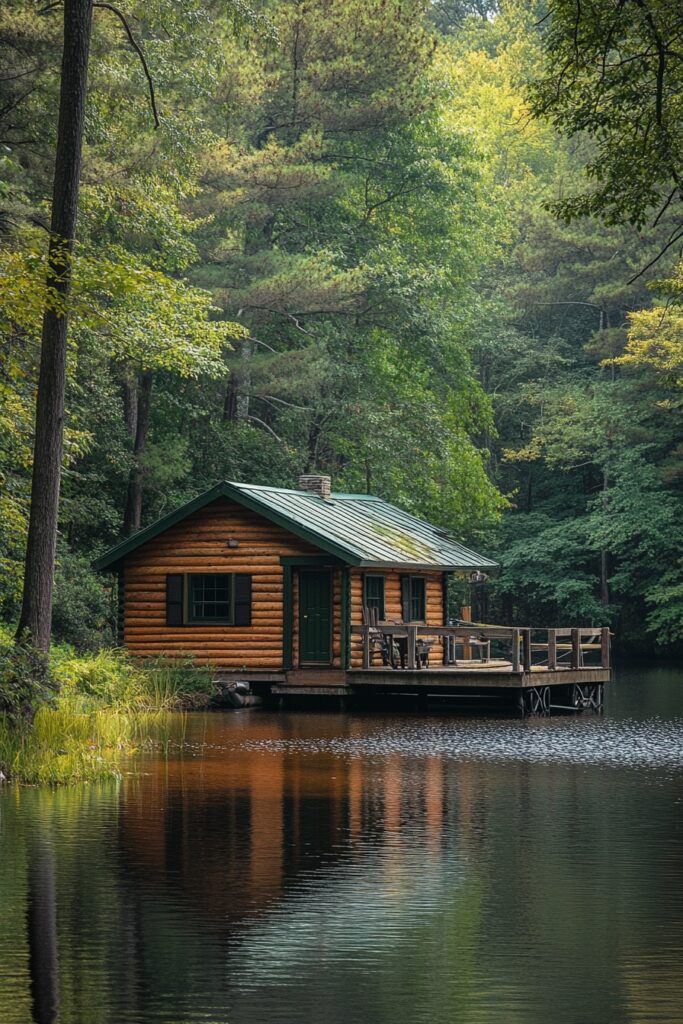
[359,529]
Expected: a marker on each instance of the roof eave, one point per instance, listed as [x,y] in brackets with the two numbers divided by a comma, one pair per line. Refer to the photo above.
[427,566]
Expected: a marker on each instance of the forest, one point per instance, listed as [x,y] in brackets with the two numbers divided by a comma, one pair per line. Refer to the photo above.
[430,249]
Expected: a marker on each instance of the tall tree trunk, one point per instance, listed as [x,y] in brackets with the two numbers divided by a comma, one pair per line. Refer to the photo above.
[132,518]
[36,611]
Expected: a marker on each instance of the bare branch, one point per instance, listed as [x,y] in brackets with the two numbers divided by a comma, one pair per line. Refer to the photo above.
[262,423]
[138,49]
[676,236]
[271,399]
[665,207]
[257,341]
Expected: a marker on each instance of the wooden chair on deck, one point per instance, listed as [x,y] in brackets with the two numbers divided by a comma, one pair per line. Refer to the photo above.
[422,651]
[377,641]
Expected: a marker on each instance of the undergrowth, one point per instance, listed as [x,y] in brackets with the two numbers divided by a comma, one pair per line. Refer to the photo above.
[90,709]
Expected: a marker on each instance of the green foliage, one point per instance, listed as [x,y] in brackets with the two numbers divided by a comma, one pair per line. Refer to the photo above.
[582,372]
[655,336]
[83,610]
[615,71]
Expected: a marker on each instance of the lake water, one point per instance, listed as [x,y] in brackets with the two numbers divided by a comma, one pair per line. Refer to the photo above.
[384,869]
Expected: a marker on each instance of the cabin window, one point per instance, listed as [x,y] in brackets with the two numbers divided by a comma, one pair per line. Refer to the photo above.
[210,597]
[374,594]
[215,598]
[414,598]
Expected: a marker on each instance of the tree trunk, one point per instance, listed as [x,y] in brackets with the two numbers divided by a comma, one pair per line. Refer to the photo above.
[36,611]
[132,518]
[236,404]
[129,387]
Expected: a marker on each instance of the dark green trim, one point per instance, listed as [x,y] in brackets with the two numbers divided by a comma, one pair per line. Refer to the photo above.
[312,561]
[287,618]
[120,604]
[223,490]
[345,584]
[444,586]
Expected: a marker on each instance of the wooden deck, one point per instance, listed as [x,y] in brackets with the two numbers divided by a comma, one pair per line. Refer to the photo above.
[543,668]
[464,676]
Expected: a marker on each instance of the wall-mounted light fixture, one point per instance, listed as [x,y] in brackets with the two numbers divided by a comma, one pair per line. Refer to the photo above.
[233,542]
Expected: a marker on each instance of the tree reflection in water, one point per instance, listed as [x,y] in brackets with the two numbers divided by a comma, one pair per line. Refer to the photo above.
[41,926]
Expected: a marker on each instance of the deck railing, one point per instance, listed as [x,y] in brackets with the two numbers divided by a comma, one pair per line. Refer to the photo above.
[522,647]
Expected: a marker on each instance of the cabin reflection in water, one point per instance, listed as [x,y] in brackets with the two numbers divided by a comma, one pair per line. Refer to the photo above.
[230,832]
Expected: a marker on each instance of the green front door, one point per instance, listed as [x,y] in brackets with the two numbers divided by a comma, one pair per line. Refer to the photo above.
[315,618]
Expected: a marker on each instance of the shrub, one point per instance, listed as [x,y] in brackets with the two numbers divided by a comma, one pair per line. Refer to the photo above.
[25,682]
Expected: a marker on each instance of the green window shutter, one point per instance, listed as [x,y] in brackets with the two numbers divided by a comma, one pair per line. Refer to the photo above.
[405,598]
[174,599]
[242,615]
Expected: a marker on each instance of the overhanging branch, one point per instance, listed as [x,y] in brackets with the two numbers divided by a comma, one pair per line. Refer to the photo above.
[138,49]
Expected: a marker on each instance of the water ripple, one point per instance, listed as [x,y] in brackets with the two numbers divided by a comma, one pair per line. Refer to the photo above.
[653,743]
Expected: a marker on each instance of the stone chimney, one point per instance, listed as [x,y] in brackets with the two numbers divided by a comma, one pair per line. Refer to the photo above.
[316,484]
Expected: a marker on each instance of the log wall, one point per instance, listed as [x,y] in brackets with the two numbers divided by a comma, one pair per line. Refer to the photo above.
[200,544]
[392,607]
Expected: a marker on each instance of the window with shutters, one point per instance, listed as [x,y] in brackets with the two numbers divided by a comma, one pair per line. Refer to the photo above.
[374,594]
[222,598]
[211,597]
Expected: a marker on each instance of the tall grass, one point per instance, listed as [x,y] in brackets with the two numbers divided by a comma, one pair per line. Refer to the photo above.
[111,679]
[106,704]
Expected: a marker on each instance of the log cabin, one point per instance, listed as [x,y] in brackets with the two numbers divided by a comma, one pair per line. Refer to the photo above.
[270,584]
